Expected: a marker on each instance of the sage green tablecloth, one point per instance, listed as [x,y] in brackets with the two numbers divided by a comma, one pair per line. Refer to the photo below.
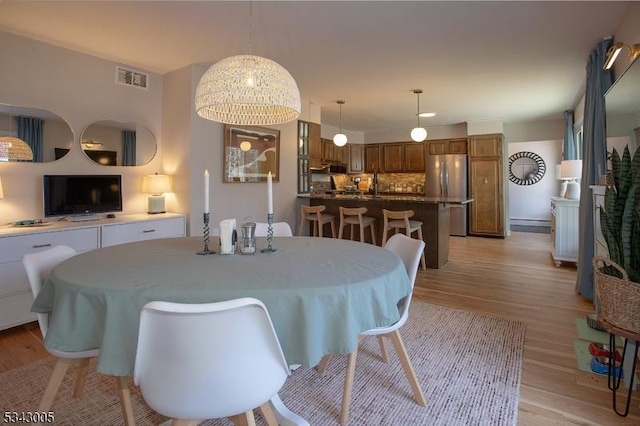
[320,292]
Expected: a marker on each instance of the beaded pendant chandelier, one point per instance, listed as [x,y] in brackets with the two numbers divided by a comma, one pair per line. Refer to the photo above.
[12,148]
[247,90]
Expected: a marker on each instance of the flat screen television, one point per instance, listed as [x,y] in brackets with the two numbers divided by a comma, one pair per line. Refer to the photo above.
[81,194]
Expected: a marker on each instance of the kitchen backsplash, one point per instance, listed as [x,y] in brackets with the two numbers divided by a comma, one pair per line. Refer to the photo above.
[387,182]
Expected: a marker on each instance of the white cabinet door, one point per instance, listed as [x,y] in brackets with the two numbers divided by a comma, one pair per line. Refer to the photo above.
[15,293]
[122,233]
[564,230]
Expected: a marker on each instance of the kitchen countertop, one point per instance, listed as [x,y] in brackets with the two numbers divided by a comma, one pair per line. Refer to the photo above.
[389,197]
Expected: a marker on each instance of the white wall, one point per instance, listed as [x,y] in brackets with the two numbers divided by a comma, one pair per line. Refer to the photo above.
[80,89]
[529,204]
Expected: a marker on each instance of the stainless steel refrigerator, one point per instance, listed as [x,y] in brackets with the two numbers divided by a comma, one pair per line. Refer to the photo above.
[446,176]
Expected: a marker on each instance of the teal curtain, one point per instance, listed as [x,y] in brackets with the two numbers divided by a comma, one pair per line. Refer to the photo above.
[570,150]
[30,130]
[128,147]
[594,162]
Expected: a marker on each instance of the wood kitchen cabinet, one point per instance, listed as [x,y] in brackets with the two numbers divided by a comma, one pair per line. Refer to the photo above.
[372,159]
[414,157]
[332,154]
[486,212]
[448,146]
[356,158]
[315,145]
[392,158]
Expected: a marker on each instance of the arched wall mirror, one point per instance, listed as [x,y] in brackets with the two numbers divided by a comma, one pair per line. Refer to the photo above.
[45,136]
[118,143]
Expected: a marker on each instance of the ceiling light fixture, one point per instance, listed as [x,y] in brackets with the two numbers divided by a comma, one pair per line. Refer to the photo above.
[418,134]
[248,90]
[614,51]
[340,139]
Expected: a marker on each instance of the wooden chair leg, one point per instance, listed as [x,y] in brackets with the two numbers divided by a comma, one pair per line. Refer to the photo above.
[244,419]
[125,400]
[320,230]
[383,349]
[81,378]
[59,370]
[333,228]
[268,414]
[398,344]
[373,234]
[348,387]
[322,365]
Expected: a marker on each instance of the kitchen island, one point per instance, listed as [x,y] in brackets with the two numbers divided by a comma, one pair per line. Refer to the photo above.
[433,212]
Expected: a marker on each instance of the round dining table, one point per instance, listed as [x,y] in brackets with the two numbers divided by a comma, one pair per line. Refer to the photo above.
[321,293]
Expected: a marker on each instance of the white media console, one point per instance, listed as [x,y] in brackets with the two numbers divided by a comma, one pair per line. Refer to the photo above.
[15,242]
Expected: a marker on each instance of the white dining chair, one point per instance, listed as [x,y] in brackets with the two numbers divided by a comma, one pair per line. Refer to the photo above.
[38,266]
[211,360]
[280,229]
[409,250]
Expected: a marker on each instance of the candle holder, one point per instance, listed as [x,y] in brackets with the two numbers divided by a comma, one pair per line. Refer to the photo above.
[269,248]
[205,236]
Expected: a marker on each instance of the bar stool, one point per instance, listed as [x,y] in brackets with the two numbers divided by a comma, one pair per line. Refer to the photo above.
[317,219]
[354,216]
[400,220]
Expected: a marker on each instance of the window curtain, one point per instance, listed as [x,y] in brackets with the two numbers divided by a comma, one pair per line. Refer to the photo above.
[128,147]
[569,151]
[30,130]
[594,162]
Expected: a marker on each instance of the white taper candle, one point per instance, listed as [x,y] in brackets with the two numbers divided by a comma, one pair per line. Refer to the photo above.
[270,193]
[206,191]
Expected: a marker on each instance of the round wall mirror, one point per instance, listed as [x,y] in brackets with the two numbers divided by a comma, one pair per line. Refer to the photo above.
[118,143]
[526,168]
[43,136]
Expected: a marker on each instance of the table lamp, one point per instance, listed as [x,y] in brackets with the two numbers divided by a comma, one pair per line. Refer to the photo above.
[572,170]
[558,176]
[156,185]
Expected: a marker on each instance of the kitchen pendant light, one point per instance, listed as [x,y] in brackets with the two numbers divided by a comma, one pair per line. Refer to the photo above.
[418,134]
[14,149]
[340,139]
[248,90]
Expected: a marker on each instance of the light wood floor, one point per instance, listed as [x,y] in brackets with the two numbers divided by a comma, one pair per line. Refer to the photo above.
[512,278]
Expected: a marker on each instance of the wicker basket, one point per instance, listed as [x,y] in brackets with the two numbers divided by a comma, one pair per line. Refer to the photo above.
[619,297]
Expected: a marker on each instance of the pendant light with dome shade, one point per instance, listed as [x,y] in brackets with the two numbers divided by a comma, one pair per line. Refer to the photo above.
[418,134]
[340,139]
[248,90]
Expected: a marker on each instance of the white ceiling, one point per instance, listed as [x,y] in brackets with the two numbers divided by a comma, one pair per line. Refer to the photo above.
[509,61]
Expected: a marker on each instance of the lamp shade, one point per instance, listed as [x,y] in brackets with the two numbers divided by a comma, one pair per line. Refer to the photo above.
[156,184]
[12,148]
[571,169]
[340,139]
[247,90]
[418,134]
[1,193]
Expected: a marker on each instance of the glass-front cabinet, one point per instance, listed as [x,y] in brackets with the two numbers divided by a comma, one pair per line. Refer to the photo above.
[304,158]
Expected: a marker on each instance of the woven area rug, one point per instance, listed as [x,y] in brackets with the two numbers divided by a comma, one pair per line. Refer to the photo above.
[469,366]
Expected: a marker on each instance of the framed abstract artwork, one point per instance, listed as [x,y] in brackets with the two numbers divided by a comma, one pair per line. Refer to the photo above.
[250,153]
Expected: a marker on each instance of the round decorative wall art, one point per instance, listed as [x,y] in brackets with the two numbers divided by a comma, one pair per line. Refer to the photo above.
[526,168]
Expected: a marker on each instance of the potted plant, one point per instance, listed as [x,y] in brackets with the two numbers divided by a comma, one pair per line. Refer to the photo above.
[618,278]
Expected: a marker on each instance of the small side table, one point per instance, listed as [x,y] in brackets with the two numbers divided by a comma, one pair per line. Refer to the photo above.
[628,357]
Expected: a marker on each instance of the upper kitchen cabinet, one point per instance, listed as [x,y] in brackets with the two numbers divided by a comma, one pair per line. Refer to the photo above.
[315,144]
[372,159]
[356,159]
[486,186]
[332,154]
[414,157]
[448,146]
[392,158]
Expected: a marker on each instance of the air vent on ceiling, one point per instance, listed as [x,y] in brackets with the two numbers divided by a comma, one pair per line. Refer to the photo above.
[131,78]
